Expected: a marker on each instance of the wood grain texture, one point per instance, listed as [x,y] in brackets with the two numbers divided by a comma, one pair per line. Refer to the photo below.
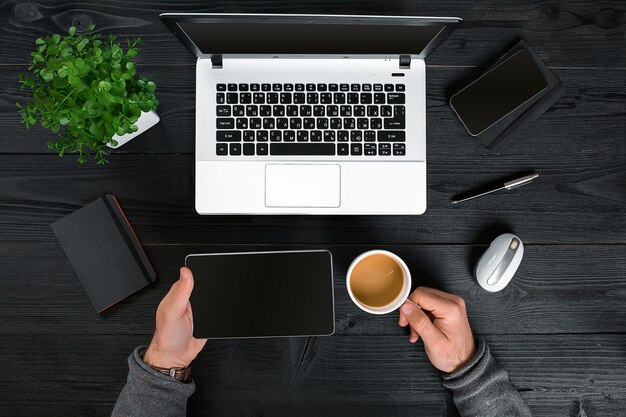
[558,289]
[580,200]
[567,33]
[350,375]
[582,122]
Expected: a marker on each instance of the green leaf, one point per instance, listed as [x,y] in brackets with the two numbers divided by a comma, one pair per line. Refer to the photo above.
[72,30]
[81,45]
[91,27]
[56,39]
[39,41]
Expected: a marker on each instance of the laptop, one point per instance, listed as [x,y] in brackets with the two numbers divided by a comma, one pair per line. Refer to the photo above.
[310,114]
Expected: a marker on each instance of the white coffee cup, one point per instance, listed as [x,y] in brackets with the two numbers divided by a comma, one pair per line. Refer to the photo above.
[402,296]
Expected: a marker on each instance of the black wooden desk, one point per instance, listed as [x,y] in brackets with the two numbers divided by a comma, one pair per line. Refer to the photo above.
[559,328]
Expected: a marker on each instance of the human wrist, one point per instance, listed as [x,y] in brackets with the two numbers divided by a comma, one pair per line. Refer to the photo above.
[153,356]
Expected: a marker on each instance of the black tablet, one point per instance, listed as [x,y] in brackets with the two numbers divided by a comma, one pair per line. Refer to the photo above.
[262,294]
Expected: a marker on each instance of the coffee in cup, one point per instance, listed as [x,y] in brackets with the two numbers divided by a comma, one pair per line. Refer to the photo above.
[378,281]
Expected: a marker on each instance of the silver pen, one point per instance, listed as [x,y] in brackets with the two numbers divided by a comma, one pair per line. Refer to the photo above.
[509,185]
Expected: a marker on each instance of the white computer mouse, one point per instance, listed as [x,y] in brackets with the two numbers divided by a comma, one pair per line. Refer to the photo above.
[498,264]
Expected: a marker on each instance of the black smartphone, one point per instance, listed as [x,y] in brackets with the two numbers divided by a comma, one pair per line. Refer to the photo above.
[501,90]
[262,294]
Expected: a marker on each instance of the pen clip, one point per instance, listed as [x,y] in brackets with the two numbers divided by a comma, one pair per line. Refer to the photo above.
[520,181]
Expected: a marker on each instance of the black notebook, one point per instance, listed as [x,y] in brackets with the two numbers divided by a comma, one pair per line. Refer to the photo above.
[104,252]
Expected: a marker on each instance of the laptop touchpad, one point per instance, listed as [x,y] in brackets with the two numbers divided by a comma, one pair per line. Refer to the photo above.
[293,185]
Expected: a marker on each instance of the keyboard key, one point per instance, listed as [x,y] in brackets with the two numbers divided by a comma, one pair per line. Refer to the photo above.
[299,98]
[395,98]
[400,87]
[345,111]
[399,149]
[288,87]
[276,136]
[369,136]
[221,149]
[312,98]
[222,110]
[376,123]
[344,87]
[322,123]
[369,149]
[225,123]
[248,136]
[248,148]
[232,98]
[353,98]
[335,123]
[378,87]
[310,87]
[362,123]
[258,98]
[398,111]
[282,123]
[228,136]
[343,149]
[394,123]
[391,136]
[306,110]
[268,123]
[329,136]
[359,111]
[332,111]
[266,87]
[255,123]
[316,136]
[343,136]
[322,87]
[232,87]
[319,111]
[255,87]
[355,87]
[356,136]
[309,123]
[238,110]
[278,110]
[295,123]
[285,98]
[235,148]
[333,87]
[242,123]
[367,87]
[299,87]
[261,148]
[277,87]
[252,110]
[389,87]
[326,98]
[243,87]
[292,110]
[261,136]
[348,123]
[289,136]
[272,98]
[220,98]
[302,149]
[302,136]
[385,111]
[366,98]
[372,111]
[356,149]
[220,87]
[379,98]
[265,110]
[339,98]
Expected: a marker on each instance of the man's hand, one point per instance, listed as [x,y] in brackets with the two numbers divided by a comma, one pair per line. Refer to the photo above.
[448,339]
[173,344]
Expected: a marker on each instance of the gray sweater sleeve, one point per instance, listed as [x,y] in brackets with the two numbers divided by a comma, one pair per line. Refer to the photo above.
[482,388]
[149,393]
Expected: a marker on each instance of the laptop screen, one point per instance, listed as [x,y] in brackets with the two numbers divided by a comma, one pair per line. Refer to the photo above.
[207,34]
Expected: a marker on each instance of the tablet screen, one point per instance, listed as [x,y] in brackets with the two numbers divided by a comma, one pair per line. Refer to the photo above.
[262,294]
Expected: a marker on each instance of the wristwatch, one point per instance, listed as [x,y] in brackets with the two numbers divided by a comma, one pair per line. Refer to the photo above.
[179,374]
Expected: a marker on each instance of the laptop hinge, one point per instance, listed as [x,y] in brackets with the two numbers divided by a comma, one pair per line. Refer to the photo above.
[216,61]
[405,61]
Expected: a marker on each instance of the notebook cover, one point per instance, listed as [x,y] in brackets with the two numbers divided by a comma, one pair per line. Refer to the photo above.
[104,252]
[501,134]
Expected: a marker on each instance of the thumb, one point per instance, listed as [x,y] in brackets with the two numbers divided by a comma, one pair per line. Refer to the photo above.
[175,302]
[419,321]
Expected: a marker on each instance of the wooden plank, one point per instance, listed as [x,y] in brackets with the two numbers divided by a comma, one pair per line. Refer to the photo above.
[578,199]
[558,289]
[587,120]
[557,375]
[565,34]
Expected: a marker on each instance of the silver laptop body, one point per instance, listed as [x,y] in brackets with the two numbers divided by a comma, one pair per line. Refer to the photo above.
[310,114]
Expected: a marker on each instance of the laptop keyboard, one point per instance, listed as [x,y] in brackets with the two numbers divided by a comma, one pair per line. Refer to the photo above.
[310,119]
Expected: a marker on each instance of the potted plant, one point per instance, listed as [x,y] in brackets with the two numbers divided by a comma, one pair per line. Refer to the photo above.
[88,91]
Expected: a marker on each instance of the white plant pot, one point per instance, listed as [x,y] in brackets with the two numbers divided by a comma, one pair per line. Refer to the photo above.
[145,122]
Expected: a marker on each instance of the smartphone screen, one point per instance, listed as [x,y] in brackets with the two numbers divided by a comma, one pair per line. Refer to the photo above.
[262,294]
[495,94]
